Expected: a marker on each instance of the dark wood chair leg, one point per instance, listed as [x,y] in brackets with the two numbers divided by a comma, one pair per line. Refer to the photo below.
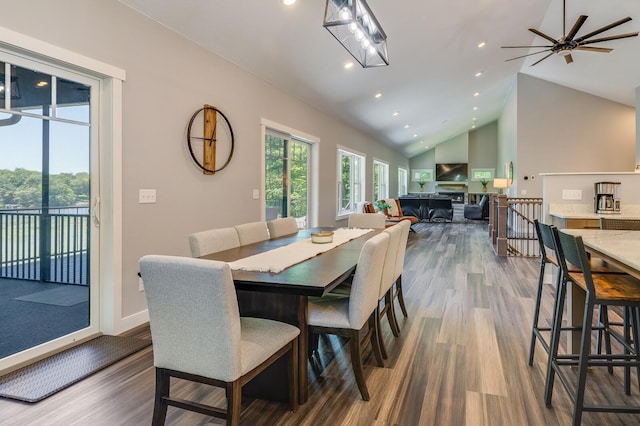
[378,314]
[356,363]
[391,313]
[234,402]
[374,338]
[292,375]
[401,296]
[163,381]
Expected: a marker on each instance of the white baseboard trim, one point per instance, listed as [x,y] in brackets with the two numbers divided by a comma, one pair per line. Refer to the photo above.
[132,321]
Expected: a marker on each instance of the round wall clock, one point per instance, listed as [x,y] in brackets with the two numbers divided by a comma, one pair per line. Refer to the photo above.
[210,139]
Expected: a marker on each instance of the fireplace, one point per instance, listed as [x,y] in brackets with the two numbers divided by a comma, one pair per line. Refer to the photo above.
[456,197]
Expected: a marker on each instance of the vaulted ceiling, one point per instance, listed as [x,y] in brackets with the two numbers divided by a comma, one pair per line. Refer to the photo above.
[433,51]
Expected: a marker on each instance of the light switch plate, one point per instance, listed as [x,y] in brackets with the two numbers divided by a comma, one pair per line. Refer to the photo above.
[572,194]
[256,194]
[147,196]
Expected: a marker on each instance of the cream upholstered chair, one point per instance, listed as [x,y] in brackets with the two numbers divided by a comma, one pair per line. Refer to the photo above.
[198,334]
[213,241]
[282,226]
[367,220]
[386,286]
[252,232]
[402,250]
[348,316]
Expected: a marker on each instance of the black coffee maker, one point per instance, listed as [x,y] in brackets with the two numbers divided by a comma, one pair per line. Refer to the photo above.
[606,199]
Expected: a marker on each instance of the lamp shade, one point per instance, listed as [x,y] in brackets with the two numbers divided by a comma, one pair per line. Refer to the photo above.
[500,183]
[355,27]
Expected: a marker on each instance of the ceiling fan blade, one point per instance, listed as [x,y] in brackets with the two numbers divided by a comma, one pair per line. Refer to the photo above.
[537,62]
[568,58]
[594,49]
[524,56]
[603,29]
[523,47]
[543,35]
[576,27]
[615,37]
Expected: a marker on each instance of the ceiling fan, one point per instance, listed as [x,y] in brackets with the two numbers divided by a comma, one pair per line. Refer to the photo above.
[568,42]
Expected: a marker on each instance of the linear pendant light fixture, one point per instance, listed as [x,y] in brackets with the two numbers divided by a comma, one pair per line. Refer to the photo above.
[353,24]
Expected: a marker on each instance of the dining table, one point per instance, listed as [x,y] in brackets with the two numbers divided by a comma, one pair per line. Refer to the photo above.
[283,297]
[620,249]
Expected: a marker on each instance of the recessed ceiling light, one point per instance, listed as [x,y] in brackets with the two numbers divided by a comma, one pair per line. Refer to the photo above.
[395,114]
[473,127]
[415,135]
[288,2]
[479,73]
[476,94]
[378,95]
[475,118]
[406,126]
[348,65]
[482,44]
[42,84]
[475,108]
[421,141]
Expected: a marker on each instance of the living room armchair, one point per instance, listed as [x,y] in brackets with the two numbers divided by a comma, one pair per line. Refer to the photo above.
[477,211]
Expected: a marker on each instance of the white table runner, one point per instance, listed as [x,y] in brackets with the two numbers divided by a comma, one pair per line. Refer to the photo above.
[277,260]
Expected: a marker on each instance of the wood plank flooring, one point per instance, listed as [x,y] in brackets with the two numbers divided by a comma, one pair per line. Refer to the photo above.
[461,358]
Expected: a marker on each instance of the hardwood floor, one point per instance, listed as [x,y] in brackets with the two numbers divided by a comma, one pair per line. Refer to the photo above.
[461,358]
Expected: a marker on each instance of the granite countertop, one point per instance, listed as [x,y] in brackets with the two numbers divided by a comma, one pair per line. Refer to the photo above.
[623,246]
[585,211]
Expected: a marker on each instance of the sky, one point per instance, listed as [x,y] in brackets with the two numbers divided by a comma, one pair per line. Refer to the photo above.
[21,143]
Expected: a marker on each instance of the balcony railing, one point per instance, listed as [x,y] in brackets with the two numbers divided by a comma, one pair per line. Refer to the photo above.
[511,227]
[50,247]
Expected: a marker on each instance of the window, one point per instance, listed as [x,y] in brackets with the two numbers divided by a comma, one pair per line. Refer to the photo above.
[380,180]
[482,174]
[402,181]
[421,175]
[288,166]
[350,181]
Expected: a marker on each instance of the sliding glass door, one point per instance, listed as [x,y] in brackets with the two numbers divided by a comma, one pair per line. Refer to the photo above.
[48,230]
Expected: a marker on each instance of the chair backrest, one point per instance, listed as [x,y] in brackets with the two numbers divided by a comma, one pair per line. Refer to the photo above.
[368,207]
[621,224]
[405,225]
[252,232]
[213,241]
[282,226]
[193,315]
[366,281]
[390,259]
[546,242]
[367,220]
[570,249]
[395,210]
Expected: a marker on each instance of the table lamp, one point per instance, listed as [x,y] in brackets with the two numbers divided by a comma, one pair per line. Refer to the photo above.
[500,184]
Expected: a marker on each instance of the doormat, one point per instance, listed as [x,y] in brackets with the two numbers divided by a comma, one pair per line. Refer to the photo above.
[43,378]
[67,295]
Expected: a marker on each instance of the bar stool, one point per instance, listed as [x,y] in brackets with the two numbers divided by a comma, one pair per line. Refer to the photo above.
[548,255]
[604,289]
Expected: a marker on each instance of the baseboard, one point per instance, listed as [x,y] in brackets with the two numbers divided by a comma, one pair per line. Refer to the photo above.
[130,322]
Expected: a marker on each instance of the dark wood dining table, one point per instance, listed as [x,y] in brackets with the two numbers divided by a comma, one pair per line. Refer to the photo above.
[283,297]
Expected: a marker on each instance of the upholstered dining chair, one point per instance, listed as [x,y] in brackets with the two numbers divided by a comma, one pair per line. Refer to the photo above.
[385,294]
[198,335]
[213,241]
[367,220]
[252,232]
[402,250]
[282,226]
[349,316]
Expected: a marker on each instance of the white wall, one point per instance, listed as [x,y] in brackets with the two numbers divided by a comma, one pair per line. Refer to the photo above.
[563,130]
[168,78]
[508,134]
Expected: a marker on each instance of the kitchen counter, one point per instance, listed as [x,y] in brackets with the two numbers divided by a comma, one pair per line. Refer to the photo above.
[577,216]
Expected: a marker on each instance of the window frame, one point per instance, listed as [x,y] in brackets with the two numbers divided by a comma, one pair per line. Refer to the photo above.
[416,175]
[483,170]
[403,181]
[342,152]
[382,187]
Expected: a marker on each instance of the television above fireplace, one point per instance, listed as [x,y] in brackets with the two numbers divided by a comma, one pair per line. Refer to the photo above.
[451,172]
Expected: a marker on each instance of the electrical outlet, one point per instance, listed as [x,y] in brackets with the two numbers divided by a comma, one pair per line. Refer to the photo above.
[147,196]
[140,285]
[256,194]
[572,194]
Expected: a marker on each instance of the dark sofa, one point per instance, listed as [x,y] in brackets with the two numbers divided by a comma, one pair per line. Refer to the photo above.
[427,206]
